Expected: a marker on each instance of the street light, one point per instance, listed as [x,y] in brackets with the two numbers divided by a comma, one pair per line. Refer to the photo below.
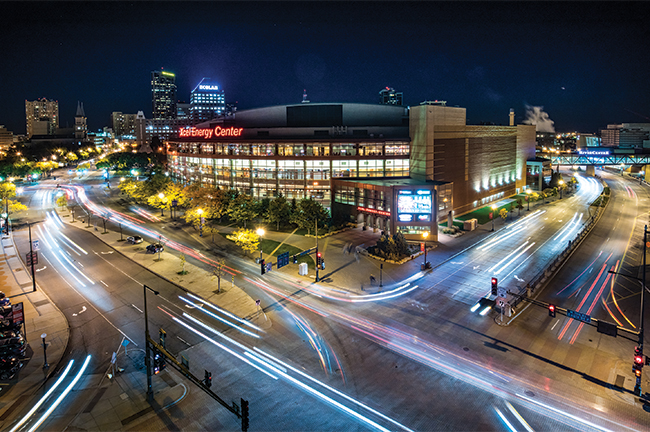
[147,359]
[260,233]
[494,208]
[425,235]
[528,193]
[200,212]
[637,387]
[561,182]
[162,209]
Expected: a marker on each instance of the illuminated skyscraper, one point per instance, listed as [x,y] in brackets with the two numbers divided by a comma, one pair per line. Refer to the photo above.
[207,101]
[42,117]
[163,95]
[388,96]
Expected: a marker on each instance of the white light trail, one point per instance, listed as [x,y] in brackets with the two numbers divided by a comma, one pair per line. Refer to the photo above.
[225,312]
[228,323]
[44,398]
[61,397]
[508,256]
[515,258]
[505,420]
[485,311]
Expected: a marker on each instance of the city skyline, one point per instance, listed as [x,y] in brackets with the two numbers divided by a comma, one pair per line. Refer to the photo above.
[582,62]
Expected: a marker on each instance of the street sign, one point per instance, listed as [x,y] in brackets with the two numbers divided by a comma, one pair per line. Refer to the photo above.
[491,215]
[35,245]
[174,203]
[31,258]
[502,292]
[578,316]
[283,259]
[17,313]
[269,266]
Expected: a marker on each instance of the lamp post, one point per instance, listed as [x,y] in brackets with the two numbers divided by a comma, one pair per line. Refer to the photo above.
[316,224]
[45,365]
[494,208]
[425,235]
[200,212]
[528,193]
[637,386]
[561,183]
[260,233]
[162,209]
[147,359]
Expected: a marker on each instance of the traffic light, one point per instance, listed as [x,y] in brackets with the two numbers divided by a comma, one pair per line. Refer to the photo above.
[295,259]
[639,361]
[262,266]
[322,263]
[158,362]
[163,335]
[494,286]
[208,379]
[319,259]
[551,311]
[244,415]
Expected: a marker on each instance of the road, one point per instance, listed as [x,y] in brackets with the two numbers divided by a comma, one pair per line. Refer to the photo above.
[418,361]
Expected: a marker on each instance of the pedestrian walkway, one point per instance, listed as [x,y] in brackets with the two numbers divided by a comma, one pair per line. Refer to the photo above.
[42,317]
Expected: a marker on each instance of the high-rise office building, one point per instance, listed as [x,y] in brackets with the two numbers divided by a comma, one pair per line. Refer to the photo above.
[42,117]
[123,124]
[388,96]
[6,139]
[207,101]
[163,95]
[80,125]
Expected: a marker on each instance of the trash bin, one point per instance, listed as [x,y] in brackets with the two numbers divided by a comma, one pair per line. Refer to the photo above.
[303,269]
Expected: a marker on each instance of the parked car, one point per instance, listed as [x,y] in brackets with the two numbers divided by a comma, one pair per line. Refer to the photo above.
[154,248]
[12,347]
[134,239]
[9,367]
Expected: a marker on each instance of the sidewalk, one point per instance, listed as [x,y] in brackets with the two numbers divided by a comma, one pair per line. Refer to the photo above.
[41,317]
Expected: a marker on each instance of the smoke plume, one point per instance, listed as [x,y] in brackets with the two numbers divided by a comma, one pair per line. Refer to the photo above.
[535,115]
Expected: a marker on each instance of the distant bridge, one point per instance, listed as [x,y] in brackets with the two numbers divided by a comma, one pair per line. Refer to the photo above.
[587,159]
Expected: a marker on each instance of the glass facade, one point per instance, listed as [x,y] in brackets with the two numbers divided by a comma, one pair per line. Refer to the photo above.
[297,169]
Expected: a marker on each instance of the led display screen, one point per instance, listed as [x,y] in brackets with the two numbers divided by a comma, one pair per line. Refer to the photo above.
[414,202]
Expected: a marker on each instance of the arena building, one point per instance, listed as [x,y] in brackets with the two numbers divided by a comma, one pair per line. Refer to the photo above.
[390,167]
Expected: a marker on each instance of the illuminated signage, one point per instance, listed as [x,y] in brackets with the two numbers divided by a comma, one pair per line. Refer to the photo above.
[369,210]
[168,74]
[405,217]
[594,152]
[418,203]
[208,87]
[209,133]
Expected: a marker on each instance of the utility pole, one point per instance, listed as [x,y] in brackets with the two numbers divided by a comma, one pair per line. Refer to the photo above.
[147,358]
[31,255]
[637,387]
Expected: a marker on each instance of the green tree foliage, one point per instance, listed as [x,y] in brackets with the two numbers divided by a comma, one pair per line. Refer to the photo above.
[307,212]
[392,247]
[278,211]
[62,201]
[247,239]
[242,209]
[8,191]
[503,213]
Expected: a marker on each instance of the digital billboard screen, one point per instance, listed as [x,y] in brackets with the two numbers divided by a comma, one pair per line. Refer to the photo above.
[414,202]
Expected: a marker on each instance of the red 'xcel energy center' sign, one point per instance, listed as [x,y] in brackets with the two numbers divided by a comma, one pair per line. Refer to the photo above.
[209,133]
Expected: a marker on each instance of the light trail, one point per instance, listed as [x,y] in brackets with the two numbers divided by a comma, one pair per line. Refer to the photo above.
[519,417]
[215,316]
[514,259]
[225,312]
[508,256]
[42,400]
[62,396]
[505,420]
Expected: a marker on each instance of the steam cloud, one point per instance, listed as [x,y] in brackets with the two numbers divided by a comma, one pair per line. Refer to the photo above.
[535,115]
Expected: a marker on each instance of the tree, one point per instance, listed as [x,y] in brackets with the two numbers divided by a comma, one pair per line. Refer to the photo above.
[520,206]
[279,210]
[247,239]
[307,212]
[242,209]
[8,191]
[503,213]
[71,157]
[218,273]
[62,201]
[183,261]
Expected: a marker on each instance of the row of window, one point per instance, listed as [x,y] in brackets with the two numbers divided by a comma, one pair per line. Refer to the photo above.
[299,149]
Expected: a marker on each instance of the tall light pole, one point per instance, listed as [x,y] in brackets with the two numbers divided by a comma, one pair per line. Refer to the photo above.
[639,350]
[425,235]
[200,212]
[147,359]
[162,209]
[528,193]
[260,233]
[494,208]
[317,266]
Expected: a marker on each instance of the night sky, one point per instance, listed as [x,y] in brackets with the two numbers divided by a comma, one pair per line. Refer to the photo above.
[586,63]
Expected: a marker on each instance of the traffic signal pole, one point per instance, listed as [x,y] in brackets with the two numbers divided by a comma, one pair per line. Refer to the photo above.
[316,222]
[637,387]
